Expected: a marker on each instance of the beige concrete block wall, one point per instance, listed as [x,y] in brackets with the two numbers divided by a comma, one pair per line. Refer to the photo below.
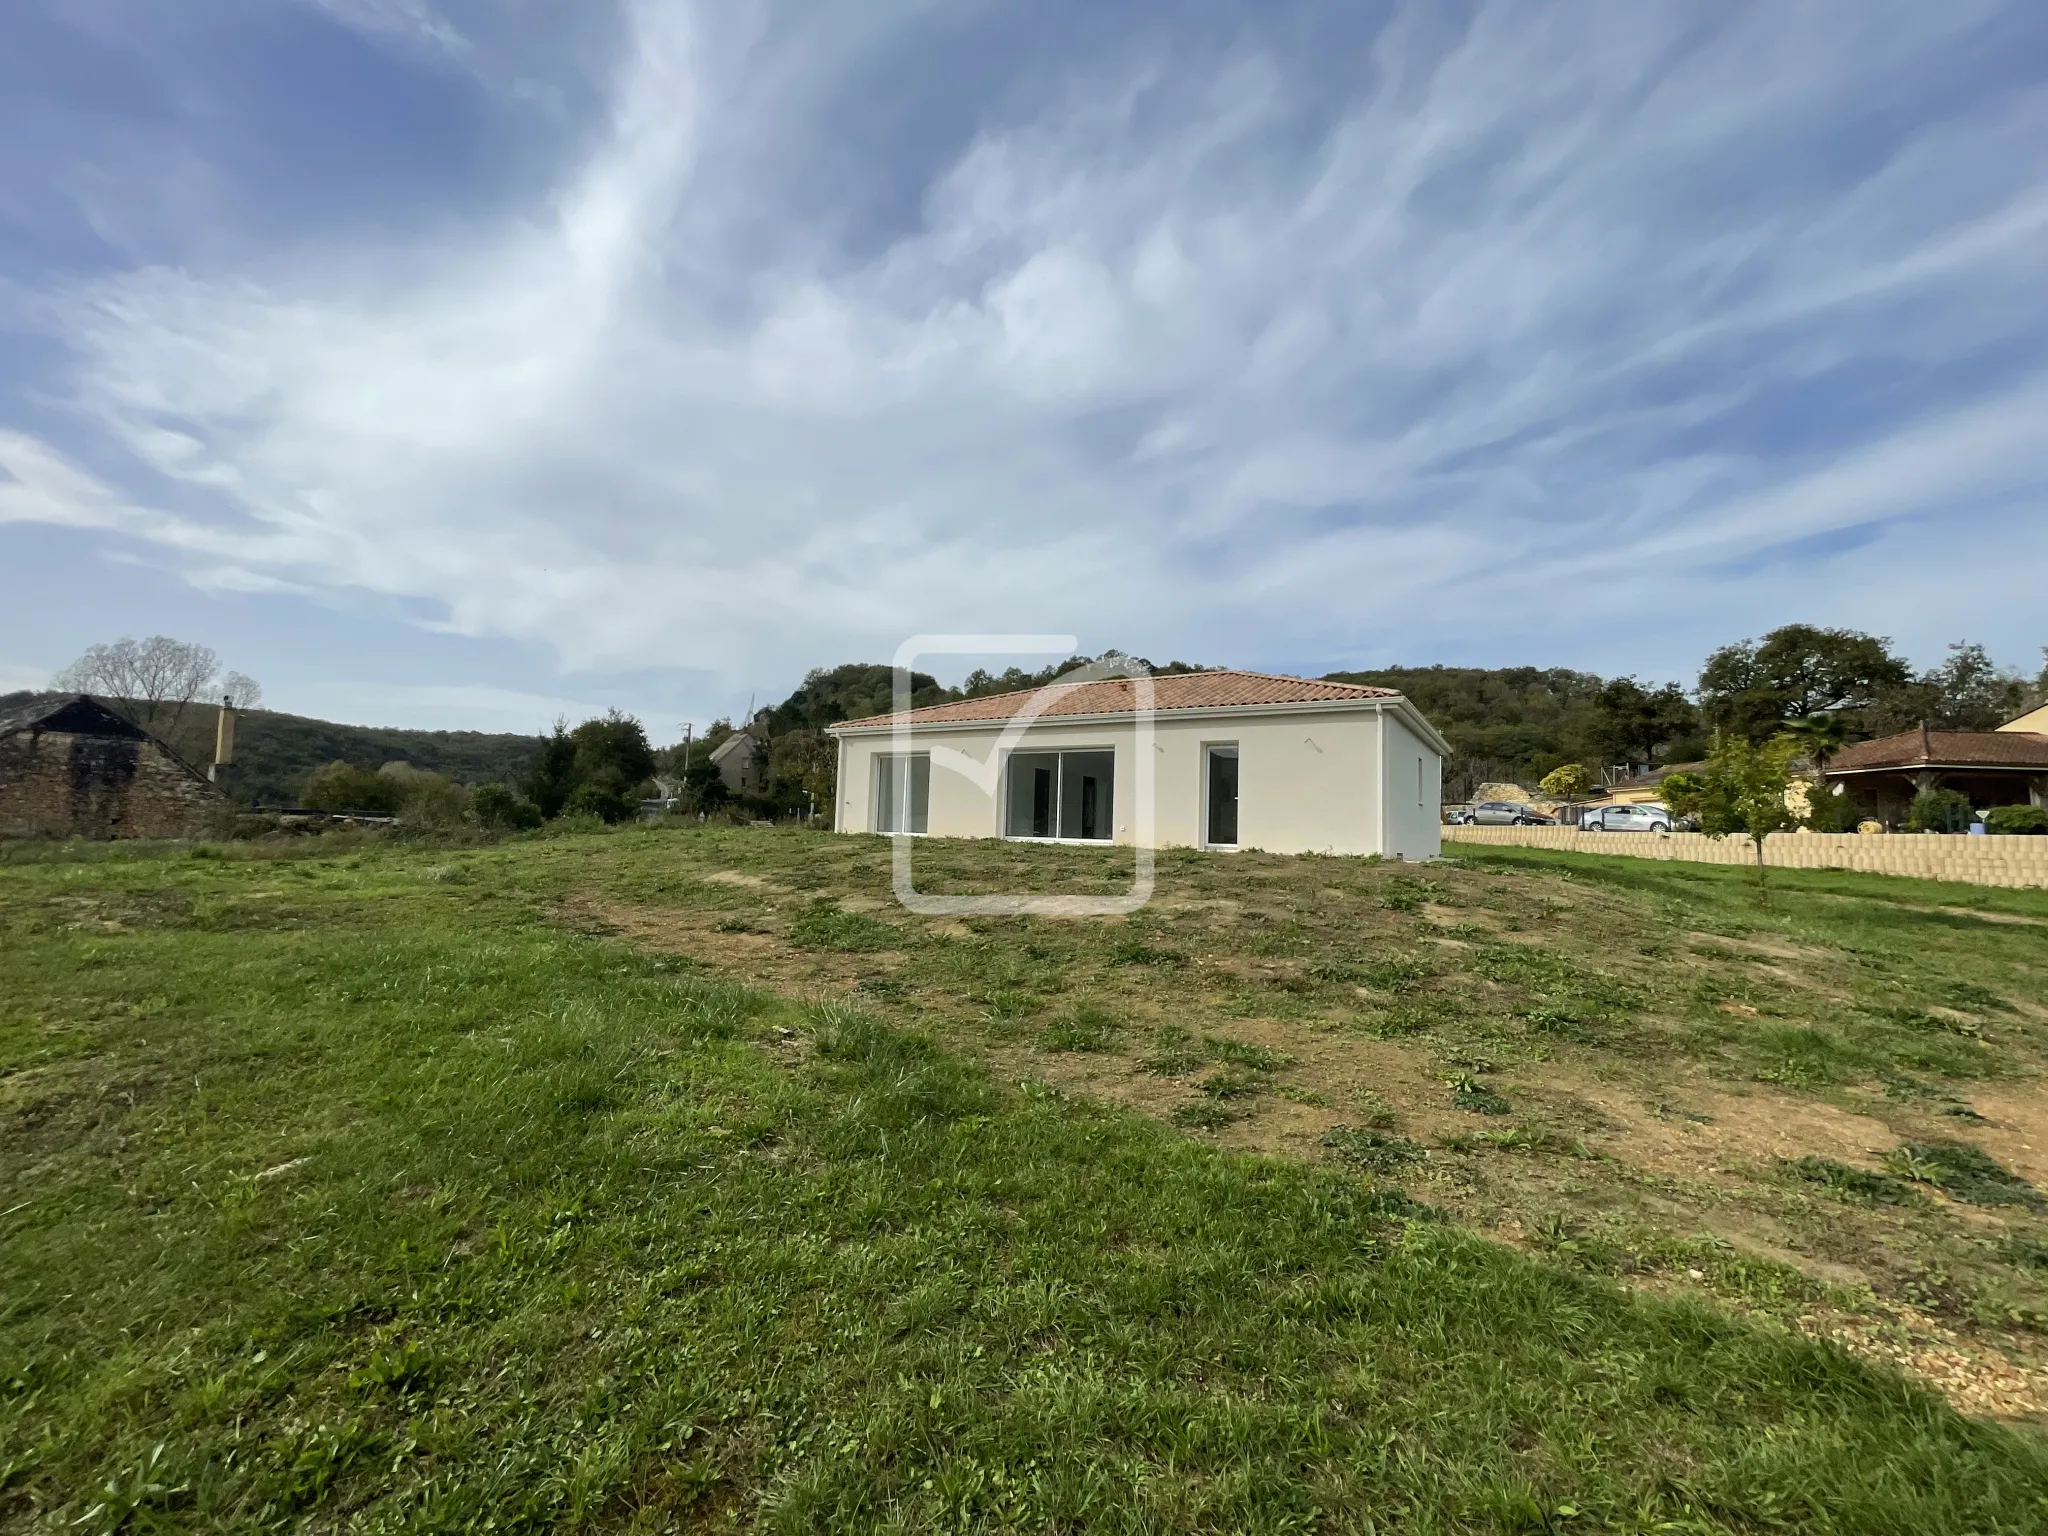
[2010,861]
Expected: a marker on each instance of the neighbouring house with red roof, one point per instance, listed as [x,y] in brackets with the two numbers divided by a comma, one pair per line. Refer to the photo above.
[2001,767]
[1218,759]
[2034,720]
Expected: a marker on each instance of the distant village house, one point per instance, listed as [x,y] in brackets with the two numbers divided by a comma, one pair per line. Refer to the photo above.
[742,762]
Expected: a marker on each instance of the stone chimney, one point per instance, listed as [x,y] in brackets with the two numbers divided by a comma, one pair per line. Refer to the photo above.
[223,740]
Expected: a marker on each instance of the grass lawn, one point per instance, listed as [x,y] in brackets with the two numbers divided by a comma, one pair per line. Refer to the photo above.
[666,1180]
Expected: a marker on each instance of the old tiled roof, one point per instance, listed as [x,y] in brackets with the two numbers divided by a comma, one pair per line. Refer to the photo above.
[1944,749]
[80,714]
[72,712]
[1117,695]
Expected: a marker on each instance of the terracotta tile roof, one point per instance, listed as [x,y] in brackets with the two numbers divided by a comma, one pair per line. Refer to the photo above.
[1116,695]
[1944,749]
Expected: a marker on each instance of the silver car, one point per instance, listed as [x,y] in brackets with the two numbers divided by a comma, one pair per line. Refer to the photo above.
[1626,818]
[1502,813]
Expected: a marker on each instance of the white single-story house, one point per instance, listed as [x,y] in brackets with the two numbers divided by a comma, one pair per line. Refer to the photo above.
[1237,760]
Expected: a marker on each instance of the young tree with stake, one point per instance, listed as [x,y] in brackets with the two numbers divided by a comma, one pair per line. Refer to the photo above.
[1741,793]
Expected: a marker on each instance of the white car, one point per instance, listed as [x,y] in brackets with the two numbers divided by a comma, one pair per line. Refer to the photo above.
[1626,818]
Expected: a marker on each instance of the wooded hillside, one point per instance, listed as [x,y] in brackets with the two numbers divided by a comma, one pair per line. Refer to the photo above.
[274,752]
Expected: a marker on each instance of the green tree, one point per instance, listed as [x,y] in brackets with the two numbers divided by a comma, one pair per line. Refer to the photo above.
[1939,810]
[1630,722]
[1740,792]
[1511,724]
[849,692]
[1753,687]
[1819,738]
[1568,782]
[2017,820]
[803,768]
[608,754]
[498,808]
[552,778]
[1967,692]
[345,789]
[427,801]
[612,752]
[599,800]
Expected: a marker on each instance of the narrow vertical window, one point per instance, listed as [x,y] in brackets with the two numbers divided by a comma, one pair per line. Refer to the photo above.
[1418,782]
[1221,794]
[886,793]
[920,792]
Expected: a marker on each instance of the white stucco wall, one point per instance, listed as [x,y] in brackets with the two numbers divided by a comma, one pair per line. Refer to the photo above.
[1309,780]
[1414,794]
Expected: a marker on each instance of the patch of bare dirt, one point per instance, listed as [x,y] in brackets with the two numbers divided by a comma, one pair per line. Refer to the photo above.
[1771,949]
[1454,917]
[751,954]
[2015,1129]
[1696,1132]
[1975,1379]
[1995,917]
[1330,1066]
[1223,906]
[740,878]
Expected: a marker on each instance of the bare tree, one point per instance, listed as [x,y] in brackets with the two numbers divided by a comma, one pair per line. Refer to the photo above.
[154,678]
[242,690]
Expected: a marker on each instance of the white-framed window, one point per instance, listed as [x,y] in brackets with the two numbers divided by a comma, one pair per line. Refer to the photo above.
[1219,795]
[1066,796]
[903,792]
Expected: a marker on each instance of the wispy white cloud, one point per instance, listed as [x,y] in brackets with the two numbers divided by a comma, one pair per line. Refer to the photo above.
[1170,345]
[414,22]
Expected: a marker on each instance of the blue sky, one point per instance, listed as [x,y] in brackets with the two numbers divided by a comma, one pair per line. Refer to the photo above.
[465,361]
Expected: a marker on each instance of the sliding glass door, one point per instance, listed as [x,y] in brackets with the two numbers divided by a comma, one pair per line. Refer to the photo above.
[1064,795]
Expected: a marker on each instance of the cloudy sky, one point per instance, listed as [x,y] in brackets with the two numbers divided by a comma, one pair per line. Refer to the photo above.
[462,361]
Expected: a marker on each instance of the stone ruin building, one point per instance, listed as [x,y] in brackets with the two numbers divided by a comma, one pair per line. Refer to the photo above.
[72,767]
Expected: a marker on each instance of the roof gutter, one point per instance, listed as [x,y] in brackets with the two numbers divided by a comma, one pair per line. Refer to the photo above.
[1843,773]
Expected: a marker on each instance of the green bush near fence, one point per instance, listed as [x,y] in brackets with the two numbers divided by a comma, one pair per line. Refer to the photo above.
[1939,810]
[2012,820]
